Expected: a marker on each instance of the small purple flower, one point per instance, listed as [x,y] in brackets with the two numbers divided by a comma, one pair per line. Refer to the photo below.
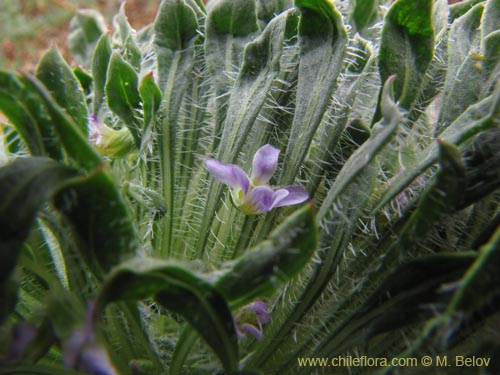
[22,336]
[251,194]
[83,352]
[251,318]
[108,141]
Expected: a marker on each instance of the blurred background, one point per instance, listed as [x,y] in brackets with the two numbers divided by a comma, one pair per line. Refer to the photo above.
[29,27]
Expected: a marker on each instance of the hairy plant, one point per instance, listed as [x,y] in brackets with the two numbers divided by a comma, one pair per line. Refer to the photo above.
[360,142]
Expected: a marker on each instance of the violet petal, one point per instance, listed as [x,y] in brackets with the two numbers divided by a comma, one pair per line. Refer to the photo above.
[260,309]
[296,194]
[265,162]
[229,174]
[279,195]
[260,199]
[251,330]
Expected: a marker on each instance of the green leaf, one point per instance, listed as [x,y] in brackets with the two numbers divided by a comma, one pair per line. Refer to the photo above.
[175,26]
[482,165]
[479,117]
[461,89]
[460,8]
[261,269]
[100,219]
[267,10]
[100,62]
[18,114]
[8,296]
[322,46]
[151,99]
[480,285]
[237,18]
[64,87]
[174,42]
[86,27]
[412,293]
[363,156]
[123,96]
[25,184]
[443,196]
[407,47]
[364,13]
[69,134]
[180,291]
[85,79]
[126,35]
[490,22]
[224,48]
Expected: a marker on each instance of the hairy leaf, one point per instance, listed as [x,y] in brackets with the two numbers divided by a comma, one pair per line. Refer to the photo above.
[180,291]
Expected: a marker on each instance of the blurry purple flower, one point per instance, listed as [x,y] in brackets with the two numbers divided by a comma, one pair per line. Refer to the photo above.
[251,194]
[82,351]
[251,318]
[22,336]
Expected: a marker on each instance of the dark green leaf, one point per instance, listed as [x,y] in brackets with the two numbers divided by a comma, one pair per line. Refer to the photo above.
[71,137]
[274,261]
[15,110]
[8,296]
[413,292]
[151,98]
[100,62]
[479,117]
[364,13]
[444,195]
[237,18]
[381,134]
[461,88]
[460,8]
[482,164]
[87,26]
[23,105]
[480,285]
[224,50]
[180,291]
[322,44]
[100,219]
[126,34]
[64,87]
[123,96]
[407,47]
[85,79]
[175,26]
[25,184]
[174,42]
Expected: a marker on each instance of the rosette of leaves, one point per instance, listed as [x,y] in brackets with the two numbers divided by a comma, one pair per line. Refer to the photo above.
[386,112]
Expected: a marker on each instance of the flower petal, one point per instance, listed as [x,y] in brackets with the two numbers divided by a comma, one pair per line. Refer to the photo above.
[229,174]
[259,200]
[296,194]
[278,196]
[260,309]
[251,330]
[265,162]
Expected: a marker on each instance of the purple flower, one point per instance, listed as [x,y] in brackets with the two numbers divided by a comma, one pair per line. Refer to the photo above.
[251,318]
[108,141]
[22,336]
[251,194]
[83,352]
